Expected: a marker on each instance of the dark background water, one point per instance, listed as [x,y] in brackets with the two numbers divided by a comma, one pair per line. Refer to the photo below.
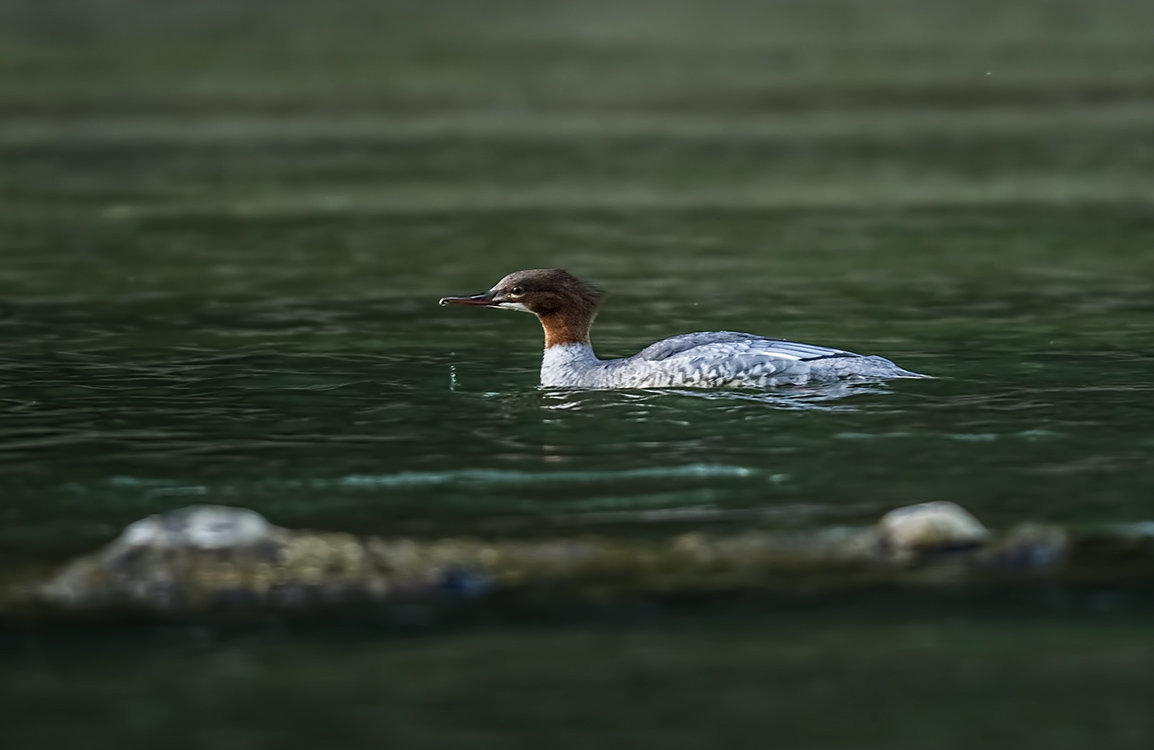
[224,227]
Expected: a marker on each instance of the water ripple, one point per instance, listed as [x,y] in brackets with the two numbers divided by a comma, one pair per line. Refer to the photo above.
[488,477]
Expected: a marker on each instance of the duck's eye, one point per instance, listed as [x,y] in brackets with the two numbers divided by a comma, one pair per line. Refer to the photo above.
[518,290]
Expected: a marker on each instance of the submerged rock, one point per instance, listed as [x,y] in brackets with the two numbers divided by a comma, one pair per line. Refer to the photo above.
[1026,549]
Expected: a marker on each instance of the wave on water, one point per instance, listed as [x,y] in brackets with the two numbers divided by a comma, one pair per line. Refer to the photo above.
[488,477]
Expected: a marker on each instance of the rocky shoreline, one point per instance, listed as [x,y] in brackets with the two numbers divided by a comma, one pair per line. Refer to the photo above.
[206,560]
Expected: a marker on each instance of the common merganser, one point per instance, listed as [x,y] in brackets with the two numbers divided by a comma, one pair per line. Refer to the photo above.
[566,306]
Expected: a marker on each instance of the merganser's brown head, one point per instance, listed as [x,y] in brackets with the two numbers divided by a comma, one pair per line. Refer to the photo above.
[563,303]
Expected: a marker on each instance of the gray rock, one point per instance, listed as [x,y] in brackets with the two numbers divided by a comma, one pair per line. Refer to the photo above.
[197,526]
[928,527]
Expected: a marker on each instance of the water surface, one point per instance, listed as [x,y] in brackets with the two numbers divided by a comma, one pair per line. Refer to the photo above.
[225,229]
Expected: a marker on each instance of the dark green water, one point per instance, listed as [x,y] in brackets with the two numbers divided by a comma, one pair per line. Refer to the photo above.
[224,228]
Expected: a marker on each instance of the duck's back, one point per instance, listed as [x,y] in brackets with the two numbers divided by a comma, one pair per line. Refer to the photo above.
[742,360]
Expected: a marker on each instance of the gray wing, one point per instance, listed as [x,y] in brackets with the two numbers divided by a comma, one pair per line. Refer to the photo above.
[732,343]
[726,358]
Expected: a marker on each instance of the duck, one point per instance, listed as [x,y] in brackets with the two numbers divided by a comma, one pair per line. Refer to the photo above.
[566,307]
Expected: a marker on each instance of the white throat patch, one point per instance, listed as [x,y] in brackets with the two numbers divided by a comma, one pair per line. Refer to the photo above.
[512,306]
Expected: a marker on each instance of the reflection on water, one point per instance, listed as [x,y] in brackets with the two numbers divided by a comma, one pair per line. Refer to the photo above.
[804,397]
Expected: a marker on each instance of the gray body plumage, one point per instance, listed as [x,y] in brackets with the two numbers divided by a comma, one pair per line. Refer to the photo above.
[711,360]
